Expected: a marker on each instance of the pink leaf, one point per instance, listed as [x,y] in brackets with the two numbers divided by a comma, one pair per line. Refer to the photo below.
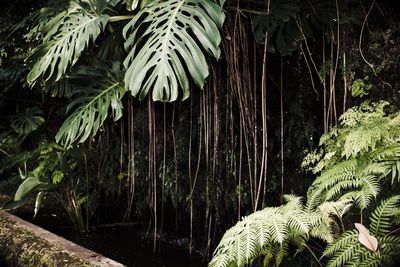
[365,238]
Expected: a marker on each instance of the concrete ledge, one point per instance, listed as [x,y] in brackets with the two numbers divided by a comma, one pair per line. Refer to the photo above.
[25,244]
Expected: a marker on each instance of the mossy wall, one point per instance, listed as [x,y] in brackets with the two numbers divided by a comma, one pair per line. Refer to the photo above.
[20,247]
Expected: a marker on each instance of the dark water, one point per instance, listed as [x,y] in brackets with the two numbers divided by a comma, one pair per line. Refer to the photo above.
[125,244]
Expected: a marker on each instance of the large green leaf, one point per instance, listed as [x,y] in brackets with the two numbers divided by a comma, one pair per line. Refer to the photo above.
[164,41]
[27,121]
[66,37]
[280,25]
[95,90]
[26,188]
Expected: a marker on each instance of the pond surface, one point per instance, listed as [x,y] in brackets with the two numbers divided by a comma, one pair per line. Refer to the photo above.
[125,244]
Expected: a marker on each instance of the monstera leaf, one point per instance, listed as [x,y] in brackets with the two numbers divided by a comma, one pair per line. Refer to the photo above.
[280,24]
[165,41]
[66,36]
[27,121]
[95,90]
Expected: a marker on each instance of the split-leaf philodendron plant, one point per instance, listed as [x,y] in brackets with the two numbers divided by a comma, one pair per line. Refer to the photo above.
[160,45]
[165,43]
[93,52]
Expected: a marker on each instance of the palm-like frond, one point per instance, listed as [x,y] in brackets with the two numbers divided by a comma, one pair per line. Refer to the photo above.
[332,181]
[347,250]
[267,231]
[164,41]
[381,219]
[66,36]
[95,90]
[341,248]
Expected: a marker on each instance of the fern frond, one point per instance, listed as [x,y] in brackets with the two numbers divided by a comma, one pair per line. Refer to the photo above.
[345,255]
[382,217]
[263,231]
[343,250]
[390,242]
[340,172]
[248,244]
[361,140]
[314,198]
[370,188]
[388,251]
[281,254]
[298,220]
[278,228]
[346,239]
[322,232]
[362,198]
[341,187]
[330,180]
[268,254]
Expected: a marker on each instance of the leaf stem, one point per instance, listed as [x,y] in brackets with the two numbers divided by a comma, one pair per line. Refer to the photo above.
[119,18]
[246,10]
[312,253]
[5,152]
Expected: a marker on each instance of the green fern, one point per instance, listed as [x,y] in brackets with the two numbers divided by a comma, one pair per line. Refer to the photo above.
[343,250]
[354,157]
[382,218]
[348,251]
[266,232]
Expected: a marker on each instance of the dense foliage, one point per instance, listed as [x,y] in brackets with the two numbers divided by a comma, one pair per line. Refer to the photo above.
[85,119]
[355,159]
